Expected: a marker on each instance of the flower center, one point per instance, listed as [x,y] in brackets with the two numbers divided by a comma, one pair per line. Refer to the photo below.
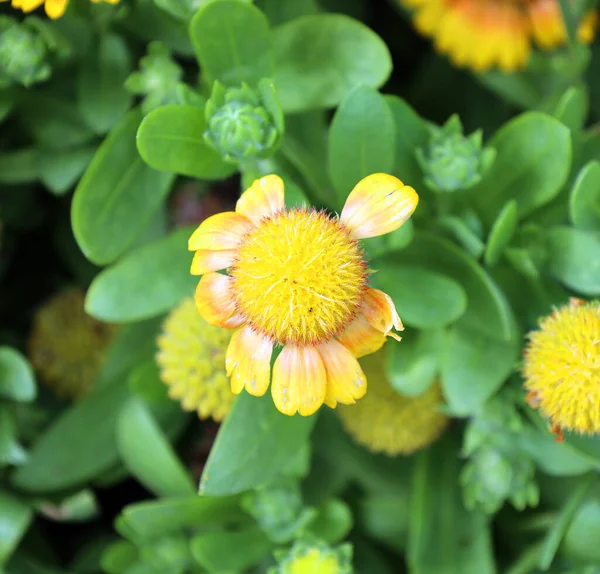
[299,278]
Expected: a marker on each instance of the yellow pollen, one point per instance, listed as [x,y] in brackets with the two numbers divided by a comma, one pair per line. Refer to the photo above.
[299,277]
[562,367]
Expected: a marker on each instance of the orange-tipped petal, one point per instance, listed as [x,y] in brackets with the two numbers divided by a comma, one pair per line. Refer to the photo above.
[360,338]
[380,312]
[215,302]
[346,381]
[206,261]
[299,380]
[221,231]
[248,362]
[379,204]
[263,198]
[55,8]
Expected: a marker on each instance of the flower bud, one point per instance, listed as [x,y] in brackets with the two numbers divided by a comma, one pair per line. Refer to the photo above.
[308,557]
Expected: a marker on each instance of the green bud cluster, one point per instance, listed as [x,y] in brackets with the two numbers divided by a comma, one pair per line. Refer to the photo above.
[452,161]
[23,54]
[498,469]
[244,123]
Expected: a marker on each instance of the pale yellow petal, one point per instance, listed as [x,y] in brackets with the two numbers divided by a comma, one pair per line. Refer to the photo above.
[221,231]
[263,198]
[215,302]
[206,261]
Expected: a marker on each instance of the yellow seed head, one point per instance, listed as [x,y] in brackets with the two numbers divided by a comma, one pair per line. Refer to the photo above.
[67,346]
[191,357]
[562,367]
[299,278]
[315,557]
[314,562]
[385,421]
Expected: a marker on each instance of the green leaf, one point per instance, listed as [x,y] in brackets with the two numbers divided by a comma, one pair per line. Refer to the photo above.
[572,108]
[147,453]
[11,452]
[214,550]
[60,170]
[157,518]
[321,57]
[362,140]
[171,139]
[574,259]
[7,102]
[462,233]
[253,446]
[17,381]
[159,270]
[233,41]
[15,518]
[65,455]
[425,299]
[474,366]
[584,201]
[581,539]
[117,195]
[78,507]
[501,233]
[19,166]
[567,513]
[532,164]
[411,133]
[443,536]
[332,523]
[101,98]
[119,556]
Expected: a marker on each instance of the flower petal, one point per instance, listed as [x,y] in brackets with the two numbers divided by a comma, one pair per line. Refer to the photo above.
[380,312]
[346,381]
[248,362]
[380,203]
[221,231]
[215,302]
[208,260]
[55,8]
[360,338]
[299,380]
[264,197]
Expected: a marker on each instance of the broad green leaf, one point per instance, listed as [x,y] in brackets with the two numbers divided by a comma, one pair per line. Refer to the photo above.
[11,452]
[119,556]
[411,133]
[146,282]
[518,88]
[362,140]
[15,517]
[584,201]
[60,170]
[572,108]
[574,260]
[147,453]
[79,445]
[171,139]
[438,519]
[321,57]
[233,41]
[231,551]
[19,166]
[384,517]
[253,446]
[154,519]
[424,299]
[581,539]
[117,195]
[502,232]
[17,382]
[332,523]
[473,368]
[101,98]
[532,164]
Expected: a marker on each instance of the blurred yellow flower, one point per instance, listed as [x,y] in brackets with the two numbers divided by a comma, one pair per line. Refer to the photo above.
[54,8]
[315,558]
[385,421]
[482,34]
[191,358]
[562,368]
[298,278]
[66,345]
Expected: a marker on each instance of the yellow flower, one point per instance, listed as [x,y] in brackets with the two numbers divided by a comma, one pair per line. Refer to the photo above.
[385,421]
[54,8]
[298,278]
[67,346]
[315,558]
[191,358]
[562,368]
[482,34]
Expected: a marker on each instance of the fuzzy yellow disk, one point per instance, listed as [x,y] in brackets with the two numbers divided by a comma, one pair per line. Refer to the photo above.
[314,562]
[191,358]
[67,346]
[562,367]
[385,421]
[298,277]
